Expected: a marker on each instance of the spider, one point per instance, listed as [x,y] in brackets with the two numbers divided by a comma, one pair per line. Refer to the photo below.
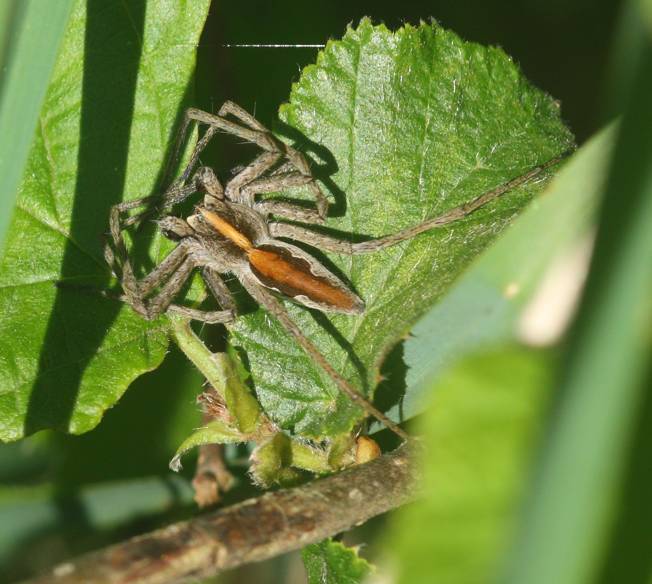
[232,231]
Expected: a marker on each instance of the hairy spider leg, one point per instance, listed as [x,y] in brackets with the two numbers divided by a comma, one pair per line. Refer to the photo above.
[333,244]
[255,169]
[170,275]
[119,219]
[169,278]
[296,158]
[252,131]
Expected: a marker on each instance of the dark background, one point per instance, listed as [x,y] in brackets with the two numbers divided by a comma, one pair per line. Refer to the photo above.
[561,45]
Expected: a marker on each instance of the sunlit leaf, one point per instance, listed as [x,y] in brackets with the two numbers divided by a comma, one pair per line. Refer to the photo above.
[409,124]
[118,86]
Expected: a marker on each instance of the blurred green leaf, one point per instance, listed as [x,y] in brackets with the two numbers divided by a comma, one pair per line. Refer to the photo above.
[411,123]
[481,430]
[118,86]
[582,523]
[484,305]
[486,410]
[331,562]
[30,35]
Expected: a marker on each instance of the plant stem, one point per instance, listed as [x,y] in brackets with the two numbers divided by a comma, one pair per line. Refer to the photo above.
[220,372]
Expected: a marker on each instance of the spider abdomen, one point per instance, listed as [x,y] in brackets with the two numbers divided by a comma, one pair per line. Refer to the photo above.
[293,277]
[283,267]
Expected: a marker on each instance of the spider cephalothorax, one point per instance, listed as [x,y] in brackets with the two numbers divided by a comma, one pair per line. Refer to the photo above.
[233,232]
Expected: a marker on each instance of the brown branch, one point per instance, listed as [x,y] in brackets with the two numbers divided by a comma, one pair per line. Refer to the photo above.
[255,530]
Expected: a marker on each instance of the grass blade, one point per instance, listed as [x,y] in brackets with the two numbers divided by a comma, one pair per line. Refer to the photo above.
[582,478]
[28,49]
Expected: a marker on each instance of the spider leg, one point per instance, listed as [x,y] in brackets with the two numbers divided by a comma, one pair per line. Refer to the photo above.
[119,218]
[118,258]
[216,287]
[175,268]
[252,131]
[219,289]
[215,123]
[274,182]
[243,188]
[329,243]
[162,302]
[276,309]
[207,316]
[229,107]
[283,168]
[207,181]
[172,273]
[254,170]
[122,209]
[289,211]
[319,240]
[162,271]
[159,303]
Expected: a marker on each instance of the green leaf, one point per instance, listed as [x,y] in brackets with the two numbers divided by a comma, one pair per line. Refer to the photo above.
[30,34]
[119,84]
[481,432]
[413,122]
[215,432]
[484,306]
[331,562]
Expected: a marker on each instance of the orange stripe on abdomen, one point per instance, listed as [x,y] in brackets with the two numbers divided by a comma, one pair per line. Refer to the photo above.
[274,267]
[223,227]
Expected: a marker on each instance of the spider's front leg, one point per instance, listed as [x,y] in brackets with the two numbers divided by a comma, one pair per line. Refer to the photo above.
[251,181]
[115,249]
[297,169]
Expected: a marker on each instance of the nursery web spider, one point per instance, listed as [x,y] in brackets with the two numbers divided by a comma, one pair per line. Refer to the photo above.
[232,232]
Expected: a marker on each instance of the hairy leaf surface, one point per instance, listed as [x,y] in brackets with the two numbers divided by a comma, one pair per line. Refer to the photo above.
[404,125]
[331,562]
